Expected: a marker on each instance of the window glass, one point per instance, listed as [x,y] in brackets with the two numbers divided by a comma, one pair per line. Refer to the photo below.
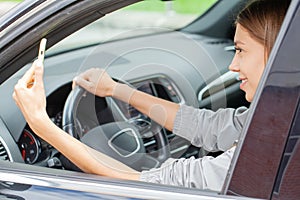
[6,5]
[144,17]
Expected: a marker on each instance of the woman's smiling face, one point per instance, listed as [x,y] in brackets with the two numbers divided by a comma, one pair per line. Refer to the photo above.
[249,61]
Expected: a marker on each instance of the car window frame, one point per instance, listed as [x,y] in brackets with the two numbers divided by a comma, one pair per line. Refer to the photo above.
[27,176]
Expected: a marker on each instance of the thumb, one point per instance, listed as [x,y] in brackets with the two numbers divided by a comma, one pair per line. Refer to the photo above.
[38,73]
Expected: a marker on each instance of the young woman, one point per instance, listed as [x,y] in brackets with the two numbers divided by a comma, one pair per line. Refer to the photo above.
[257,26]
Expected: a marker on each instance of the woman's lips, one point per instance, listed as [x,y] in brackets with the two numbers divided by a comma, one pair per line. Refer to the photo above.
[243,83]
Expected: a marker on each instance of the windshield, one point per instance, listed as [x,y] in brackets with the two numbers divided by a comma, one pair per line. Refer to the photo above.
[141,18]
[5,6]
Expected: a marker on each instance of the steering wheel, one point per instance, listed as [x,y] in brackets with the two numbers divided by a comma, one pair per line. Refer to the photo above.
[120,140]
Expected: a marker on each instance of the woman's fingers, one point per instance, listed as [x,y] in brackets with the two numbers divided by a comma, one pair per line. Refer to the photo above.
[83,83]
[82,79]
[88,79]
[16,98]
[28,77]
[33,76]
[96,81]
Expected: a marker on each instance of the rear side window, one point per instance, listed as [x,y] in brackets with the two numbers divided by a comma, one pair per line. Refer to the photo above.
[287,183]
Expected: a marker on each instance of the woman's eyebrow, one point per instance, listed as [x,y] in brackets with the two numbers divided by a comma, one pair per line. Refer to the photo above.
[239,42]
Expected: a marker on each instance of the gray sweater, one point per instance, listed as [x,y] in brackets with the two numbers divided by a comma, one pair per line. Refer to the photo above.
[213,131]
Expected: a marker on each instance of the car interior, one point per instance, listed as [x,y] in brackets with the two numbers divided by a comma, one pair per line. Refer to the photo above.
[186,65]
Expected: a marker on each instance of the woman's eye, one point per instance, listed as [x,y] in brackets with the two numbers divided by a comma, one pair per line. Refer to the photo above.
[237,50]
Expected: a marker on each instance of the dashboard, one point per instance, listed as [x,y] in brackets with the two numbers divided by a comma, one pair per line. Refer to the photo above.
[172,66]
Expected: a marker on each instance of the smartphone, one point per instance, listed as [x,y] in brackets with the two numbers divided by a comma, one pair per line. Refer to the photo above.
[41,56]
[42,49]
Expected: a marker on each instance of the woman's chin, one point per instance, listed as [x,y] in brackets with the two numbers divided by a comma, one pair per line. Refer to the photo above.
[248,97]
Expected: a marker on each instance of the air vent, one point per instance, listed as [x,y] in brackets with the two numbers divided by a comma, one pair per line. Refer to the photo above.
[3,152]
[217,42]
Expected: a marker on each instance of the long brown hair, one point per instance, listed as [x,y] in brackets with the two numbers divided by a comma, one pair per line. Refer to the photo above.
[262,19]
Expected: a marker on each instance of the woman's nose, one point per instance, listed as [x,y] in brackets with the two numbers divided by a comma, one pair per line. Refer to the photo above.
[234,66]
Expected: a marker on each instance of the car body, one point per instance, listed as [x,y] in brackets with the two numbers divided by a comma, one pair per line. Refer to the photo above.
[186,66]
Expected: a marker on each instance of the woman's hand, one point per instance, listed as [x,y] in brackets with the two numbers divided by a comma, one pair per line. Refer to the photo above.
[96,81]
[29,94]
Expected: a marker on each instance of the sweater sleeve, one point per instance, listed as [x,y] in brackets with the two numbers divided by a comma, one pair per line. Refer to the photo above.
[214,131]
[203,173]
